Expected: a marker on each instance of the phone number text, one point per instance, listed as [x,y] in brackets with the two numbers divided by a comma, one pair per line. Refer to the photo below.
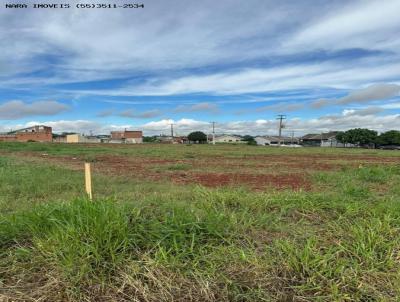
[78,5]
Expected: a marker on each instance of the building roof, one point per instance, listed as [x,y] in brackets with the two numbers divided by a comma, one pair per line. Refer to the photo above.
[276,138]
[321,136]
[227,135]
[27,128]
[128,131]
[311,136]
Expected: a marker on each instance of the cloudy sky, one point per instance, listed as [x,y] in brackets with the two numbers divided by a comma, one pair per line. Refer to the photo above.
[326,64]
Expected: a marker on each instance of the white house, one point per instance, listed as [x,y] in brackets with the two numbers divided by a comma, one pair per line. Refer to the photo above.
[274,140]
[322,140]
[228,139]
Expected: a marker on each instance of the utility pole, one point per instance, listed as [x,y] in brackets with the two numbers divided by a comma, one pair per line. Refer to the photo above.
[280,117]
[172,131]
[213,132]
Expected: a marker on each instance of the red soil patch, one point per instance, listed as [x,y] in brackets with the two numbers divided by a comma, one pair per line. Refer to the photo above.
[257,172]
[289,164]
[255,181]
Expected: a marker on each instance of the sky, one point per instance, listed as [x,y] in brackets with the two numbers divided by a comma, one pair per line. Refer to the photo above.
[326,65]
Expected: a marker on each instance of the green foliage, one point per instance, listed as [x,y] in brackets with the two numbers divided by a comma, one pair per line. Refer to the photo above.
[197,136]
[357,136]
[250,140]
[391,137]
[150,139]
[341,137]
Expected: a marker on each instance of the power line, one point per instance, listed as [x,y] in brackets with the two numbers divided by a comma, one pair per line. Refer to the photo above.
[280,117]
[172,130]
[292,136]
[213,132]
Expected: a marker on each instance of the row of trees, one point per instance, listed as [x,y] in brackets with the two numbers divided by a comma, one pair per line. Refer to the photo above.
[357,136]
[361,136]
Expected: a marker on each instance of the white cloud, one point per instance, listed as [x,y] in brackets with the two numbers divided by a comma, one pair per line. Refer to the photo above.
[208,47]
[264,80]
[369,111]
[349,119]
[149,114]
[130,113]
[361,24]
[18,109]
[364,95]
[300,126]
[199,107]
[154,38]
[371,93]
[75,44]
[394,105]
[281,107]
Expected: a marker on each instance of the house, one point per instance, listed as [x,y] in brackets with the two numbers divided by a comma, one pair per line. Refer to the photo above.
[321,140]
[228,139]
[38,133]
[167,139]
[74,138]
[59,138]
[180,140]
[128,137]
[104,138]
[78,138]
[274,140]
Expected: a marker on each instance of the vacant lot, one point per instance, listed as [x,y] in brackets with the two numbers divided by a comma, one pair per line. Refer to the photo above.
[199,223]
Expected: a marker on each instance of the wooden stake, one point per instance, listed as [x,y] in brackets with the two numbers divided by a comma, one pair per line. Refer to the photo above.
[88,181]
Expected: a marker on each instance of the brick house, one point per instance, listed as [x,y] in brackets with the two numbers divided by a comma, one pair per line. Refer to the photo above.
[132,137]
[37,133]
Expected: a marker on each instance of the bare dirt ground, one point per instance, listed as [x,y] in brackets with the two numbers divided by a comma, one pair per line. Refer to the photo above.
[257,172]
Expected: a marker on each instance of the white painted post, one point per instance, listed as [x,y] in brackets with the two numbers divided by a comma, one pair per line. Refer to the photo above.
[88,181]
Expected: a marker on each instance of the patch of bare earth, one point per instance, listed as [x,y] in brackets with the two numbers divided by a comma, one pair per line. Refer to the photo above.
[257,172]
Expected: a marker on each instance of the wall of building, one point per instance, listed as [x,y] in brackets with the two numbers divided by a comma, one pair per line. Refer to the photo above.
[77,138]
[134,140]
[35,133]
[117,135]
[74,138]
[8,138]
[60,139]
[34,136]
[120,135]
[262,141]
[133,134]
[331,143]
[228,139]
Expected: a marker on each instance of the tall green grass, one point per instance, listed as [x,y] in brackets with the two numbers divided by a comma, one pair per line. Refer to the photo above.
[143,241]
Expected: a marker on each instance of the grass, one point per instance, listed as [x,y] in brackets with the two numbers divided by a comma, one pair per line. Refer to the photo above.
[155,241]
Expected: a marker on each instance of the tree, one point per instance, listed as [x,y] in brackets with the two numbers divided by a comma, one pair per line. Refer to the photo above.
[197,136]
[360,136]
[357,136]
[249,139]
[341,137]
[150,139]
[391,137]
